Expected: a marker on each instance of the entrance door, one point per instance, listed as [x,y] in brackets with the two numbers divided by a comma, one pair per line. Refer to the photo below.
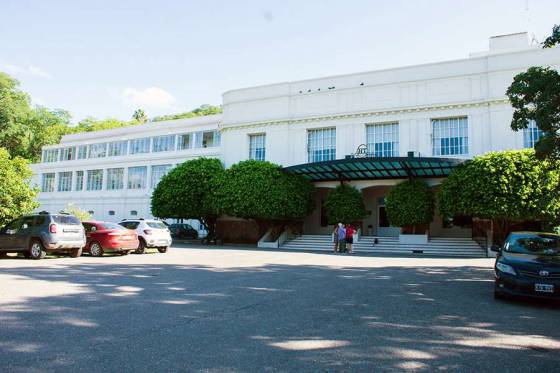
[384,229]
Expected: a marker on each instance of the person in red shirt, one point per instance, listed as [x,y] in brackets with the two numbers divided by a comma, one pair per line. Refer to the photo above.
[349,238]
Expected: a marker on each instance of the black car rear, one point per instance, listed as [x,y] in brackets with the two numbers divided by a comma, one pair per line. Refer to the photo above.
[529,265]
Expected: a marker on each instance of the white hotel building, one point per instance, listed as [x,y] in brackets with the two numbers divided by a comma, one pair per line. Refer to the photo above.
[445,111]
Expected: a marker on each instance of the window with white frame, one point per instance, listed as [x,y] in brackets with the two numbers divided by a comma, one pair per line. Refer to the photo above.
[163,143]
[47,182]
[185,141]
[450,136]
[531,135]
[158,172]
[94,180]
[115,178]
[79,181]
[82,152]
[138,146]
[118,148]
[321,144]
[68,154]
[137,177]
[205,139]
[382,139]
[65,181]
[50,155]
[97,150]
[257,147]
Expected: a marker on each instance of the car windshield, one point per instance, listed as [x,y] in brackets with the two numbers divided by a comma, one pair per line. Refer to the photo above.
[66,220]
[156,224]
[112,226]
[539,244]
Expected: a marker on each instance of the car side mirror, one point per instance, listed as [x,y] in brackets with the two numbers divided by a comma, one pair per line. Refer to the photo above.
[495,248]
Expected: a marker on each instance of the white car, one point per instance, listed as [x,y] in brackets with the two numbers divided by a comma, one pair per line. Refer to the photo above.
[151,233]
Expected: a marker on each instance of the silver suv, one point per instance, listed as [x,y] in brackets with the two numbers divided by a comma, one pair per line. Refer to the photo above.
[36,235]
[151,233]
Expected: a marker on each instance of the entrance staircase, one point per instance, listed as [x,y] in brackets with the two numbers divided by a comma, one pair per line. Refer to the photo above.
[445,247]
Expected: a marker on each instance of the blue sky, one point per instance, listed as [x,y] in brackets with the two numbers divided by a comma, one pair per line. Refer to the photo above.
[106,58]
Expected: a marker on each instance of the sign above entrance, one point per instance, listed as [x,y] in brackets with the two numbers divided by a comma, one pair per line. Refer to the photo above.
[361,152]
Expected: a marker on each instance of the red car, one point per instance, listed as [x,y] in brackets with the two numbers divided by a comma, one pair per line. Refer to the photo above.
[105,237]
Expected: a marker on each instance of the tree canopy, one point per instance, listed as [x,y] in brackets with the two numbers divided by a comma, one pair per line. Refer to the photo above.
[264,192]
[140,116]
[189,191]
[503,186]
[344,204]
[198,112]
[535,96]
[16,195]
[410,203]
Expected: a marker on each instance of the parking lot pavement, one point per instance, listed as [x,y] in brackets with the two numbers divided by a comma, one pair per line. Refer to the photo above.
[243,310]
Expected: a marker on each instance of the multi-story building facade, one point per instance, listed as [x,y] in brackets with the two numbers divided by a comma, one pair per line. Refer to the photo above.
[449,110]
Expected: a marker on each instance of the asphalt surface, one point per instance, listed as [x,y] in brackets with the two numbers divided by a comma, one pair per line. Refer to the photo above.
[242,310]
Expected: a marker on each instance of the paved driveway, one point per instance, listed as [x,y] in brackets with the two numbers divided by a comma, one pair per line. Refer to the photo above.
[246,310]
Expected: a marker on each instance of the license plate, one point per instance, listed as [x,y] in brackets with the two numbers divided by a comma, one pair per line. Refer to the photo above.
[544,288]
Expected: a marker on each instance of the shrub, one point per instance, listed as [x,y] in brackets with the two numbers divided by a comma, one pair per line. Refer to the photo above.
[410,203]
[345,204]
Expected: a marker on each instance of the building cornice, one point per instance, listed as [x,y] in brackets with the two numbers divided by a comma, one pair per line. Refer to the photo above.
[363,114]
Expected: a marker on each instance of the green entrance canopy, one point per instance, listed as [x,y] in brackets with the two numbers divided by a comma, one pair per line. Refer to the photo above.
[376,168]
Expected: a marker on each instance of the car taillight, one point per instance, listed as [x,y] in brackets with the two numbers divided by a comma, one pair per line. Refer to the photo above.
[52,228]
[147,231]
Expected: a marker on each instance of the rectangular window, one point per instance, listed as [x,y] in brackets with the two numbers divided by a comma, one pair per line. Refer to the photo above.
[97,150]
[68,154]
[163,143]
[47,182]
[138,146]
[79,181]
[321,145]
[158,172]
[118,148]
[531,135]
[94,180]
[137,177]
[257,147]
[382,139]
[50,155]
[115,178]
[82,152]
[450,136]
[185,141]
[65,181]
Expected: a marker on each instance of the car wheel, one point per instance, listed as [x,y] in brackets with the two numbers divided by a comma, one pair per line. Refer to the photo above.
[3,254]
[76,253]
[195,236]
[36,250]
[95,249]
[499,295]
[141,247]
[162,249]
[126,252]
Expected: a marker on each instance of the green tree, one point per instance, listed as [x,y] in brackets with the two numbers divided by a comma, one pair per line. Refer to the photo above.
[190,191]
[203,110]
[264,192]
[344,204]
[140,116]
[72,209]
[505,187]
[535,96]
[17,197]
[410,203]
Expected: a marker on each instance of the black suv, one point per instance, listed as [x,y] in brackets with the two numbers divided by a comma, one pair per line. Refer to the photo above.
[528,265]
[35,235]
[183,231]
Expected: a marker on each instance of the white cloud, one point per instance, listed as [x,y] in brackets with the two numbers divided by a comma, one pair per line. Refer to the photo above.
[152,97]
[25,70]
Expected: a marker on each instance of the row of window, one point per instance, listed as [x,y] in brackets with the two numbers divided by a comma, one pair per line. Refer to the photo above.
[192,140]
[449,137]
[136,178]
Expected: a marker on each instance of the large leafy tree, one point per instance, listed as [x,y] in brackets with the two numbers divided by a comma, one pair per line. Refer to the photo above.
[190,191]
[17,197]
[140,116]
[505,187]
[344,204]
[535,96]
[410,204]
[264,192]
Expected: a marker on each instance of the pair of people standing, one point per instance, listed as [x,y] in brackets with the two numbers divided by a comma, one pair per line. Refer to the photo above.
[343,238]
